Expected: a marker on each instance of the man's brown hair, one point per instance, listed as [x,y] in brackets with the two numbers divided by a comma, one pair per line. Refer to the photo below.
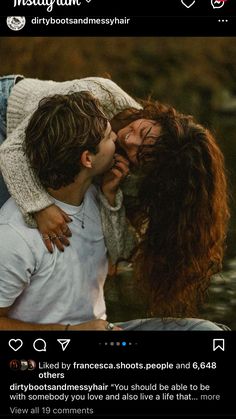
[60,130]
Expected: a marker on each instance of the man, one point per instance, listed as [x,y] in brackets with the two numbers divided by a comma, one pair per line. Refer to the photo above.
[19,97]
[68,142]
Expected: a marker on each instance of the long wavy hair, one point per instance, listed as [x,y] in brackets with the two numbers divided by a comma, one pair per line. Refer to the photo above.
[181,211]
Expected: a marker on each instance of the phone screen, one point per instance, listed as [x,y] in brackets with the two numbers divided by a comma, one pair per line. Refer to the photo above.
[117,218]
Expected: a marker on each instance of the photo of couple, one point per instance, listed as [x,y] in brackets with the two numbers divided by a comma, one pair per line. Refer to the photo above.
[94,178]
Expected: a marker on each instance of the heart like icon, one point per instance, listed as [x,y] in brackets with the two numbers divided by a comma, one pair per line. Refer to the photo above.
[15,344]
[188,3]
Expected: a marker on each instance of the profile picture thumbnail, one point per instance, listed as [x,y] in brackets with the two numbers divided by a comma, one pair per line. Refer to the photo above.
[15,364]
[23,364]
[31,364]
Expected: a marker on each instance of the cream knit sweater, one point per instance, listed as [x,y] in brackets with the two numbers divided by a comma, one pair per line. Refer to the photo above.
[21,181]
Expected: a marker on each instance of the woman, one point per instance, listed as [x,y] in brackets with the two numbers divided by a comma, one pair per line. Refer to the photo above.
[178,204]
[181,207]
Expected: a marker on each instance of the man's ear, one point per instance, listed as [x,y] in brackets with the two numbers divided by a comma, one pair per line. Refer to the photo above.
[86,159]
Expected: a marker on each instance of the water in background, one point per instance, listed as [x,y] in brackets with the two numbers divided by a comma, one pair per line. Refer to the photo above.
[125,303]
[221,305]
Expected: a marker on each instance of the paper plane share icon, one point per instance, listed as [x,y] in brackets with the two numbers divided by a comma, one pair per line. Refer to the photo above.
[64,343]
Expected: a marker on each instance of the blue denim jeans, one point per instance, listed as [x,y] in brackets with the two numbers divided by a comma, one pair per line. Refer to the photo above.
[172,324]
[6,84]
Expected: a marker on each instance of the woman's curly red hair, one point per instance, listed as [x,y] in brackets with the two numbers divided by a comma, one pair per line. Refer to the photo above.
[182,212]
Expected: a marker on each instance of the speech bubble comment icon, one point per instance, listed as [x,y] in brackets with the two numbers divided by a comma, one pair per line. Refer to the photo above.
[40,345]
[217,4]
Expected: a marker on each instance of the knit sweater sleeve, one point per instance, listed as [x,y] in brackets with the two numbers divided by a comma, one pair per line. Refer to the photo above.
[119,236]
[29,195]
[112,98]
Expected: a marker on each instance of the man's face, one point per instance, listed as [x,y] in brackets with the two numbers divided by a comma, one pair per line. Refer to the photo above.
[137,133]
[104,159]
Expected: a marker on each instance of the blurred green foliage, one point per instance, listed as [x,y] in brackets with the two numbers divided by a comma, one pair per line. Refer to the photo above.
[190,73]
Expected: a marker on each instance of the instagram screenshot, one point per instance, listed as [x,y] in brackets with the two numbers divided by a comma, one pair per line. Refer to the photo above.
[117,208]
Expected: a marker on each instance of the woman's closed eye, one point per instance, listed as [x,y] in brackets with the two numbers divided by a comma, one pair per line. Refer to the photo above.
[149,138]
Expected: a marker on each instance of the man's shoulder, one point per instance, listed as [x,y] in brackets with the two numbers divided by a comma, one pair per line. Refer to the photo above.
[9,212]
[13,226]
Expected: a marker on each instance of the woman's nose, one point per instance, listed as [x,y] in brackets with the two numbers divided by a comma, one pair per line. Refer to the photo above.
[134,139]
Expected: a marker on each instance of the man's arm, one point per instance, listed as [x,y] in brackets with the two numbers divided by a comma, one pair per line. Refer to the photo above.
[7,323]
[18,262]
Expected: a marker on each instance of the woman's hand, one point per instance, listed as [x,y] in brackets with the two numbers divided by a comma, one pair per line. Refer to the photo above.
[112,269]
[111,180]
[98,324]
[52,224]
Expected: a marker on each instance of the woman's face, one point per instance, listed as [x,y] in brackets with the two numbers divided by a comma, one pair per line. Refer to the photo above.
[137,133]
